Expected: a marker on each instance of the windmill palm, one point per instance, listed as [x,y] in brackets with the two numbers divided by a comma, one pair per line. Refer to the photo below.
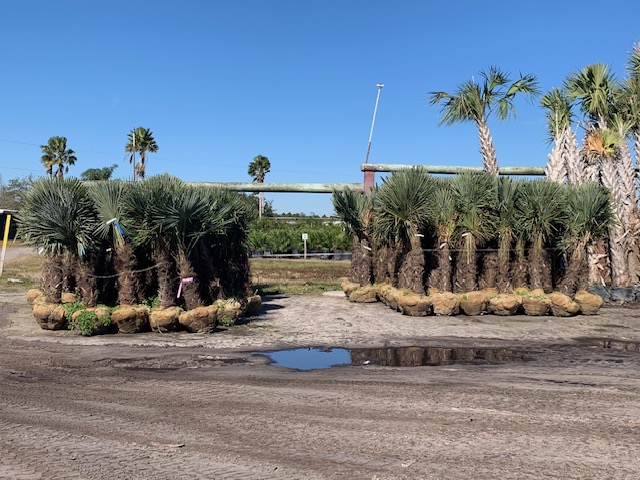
[56,155]
[140,140]
[443,216]
[258,169]
[541,213]
[354,209]
[475,195]
[402,212]
[590,217]
[58,217]
[475,103]
[109,200]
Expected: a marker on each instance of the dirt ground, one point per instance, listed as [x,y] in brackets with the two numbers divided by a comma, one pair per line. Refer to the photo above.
[191,406]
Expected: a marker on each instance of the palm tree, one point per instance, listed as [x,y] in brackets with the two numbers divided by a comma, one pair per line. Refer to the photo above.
[58,217]
[56,154]
[602,146]
[559,116]
[355,211]
[508,192]
[402,212]
[109,201]
[595,87]
[443,216]
[145,204]
[541,213]
[475,103]
[589,218]
[140,140]
[258,169]
[475,194]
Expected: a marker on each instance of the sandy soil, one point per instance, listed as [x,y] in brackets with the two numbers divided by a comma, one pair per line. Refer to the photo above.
[181,406]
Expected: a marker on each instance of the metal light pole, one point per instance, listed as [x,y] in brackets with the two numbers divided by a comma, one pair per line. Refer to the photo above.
[375,110]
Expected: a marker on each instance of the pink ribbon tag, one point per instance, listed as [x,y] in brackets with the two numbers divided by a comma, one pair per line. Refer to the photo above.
[184,280]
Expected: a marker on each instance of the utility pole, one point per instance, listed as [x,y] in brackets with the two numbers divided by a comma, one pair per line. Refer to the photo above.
[375,110]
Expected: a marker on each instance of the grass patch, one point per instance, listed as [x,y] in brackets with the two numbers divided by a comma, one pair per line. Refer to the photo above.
[25,268]
[271,276]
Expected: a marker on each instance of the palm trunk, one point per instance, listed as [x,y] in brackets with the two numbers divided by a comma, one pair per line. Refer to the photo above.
[486,147]
[540,266]
[489,276]
[125,263]
[466,268]
[571,154]
[411,272]
[521,267]
[504,264]
[618,247]
[440,277]
[189,281]
[166,279]
[576,273]
[52,277]
[556,170]
[86,280]
[361,267]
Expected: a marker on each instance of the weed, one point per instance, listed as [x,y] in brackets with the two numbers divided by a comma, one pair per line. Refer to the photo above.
[71,308]
[227,321]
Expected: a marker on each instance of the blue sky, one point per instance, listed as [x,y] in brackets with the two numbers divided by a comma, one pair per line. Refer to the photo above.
[219,82]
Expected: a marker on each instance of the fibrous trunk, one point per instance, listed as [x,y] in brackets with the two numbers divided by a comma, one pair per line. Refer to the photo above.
[466,269]
[167,288]
[520,269]
[125,262]
[440,277]
[361,262]
[576,273]
[52,277]
[189,282]
[411,271]
[539,267]
[86,280]
[489,276]
[486,148]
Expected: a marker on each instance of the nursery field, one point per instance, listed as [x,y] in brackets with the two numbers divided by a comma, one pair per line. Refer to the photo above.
[269,276]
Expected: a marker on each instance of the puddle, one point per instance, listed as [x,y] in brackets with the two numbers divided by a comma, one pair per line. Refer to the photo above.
[313,358]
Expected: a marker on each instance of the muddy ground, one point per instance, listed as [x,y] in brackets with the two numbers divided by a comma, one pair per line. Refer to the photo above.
[181,406]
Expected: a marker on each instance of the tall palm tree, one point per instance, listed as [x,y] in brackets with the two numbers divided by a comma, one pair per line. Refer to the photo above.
[590,216]
[475,195]
[56,154]
[541,214]
[558,107]
[475,103]
[596,89]
[58,216]
[443,215]
[140,140]
[354,209]
[258,169]
[602,146]
[402,211]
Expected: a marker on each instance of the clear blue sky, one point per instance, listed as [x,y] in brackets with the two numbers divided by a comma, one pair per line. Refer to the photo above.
[219,82]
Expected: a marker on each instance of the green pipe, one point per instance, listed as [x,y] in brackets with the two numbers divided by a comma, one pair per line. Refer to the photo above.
[449,169]
[281,187]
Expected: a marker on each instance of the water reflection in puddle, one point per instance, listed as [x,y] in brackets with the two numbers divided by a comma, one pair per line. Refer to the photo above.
[313,358]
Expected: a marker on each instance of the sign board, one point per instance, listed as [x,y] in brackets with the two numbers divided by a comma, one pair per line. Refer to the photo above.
[305,236]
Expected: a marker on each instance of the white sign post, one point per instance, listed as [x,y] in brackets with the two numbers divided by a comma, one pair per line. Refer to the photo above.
[305,237]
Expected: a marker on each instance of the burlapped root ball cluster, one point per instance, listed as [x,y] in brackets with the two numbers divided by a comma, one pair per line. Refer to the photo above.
[137,256]
[475,243]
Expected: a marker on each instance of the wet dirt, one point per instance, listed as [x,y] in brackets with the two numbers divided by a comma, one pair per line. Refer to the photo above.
[187,406]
